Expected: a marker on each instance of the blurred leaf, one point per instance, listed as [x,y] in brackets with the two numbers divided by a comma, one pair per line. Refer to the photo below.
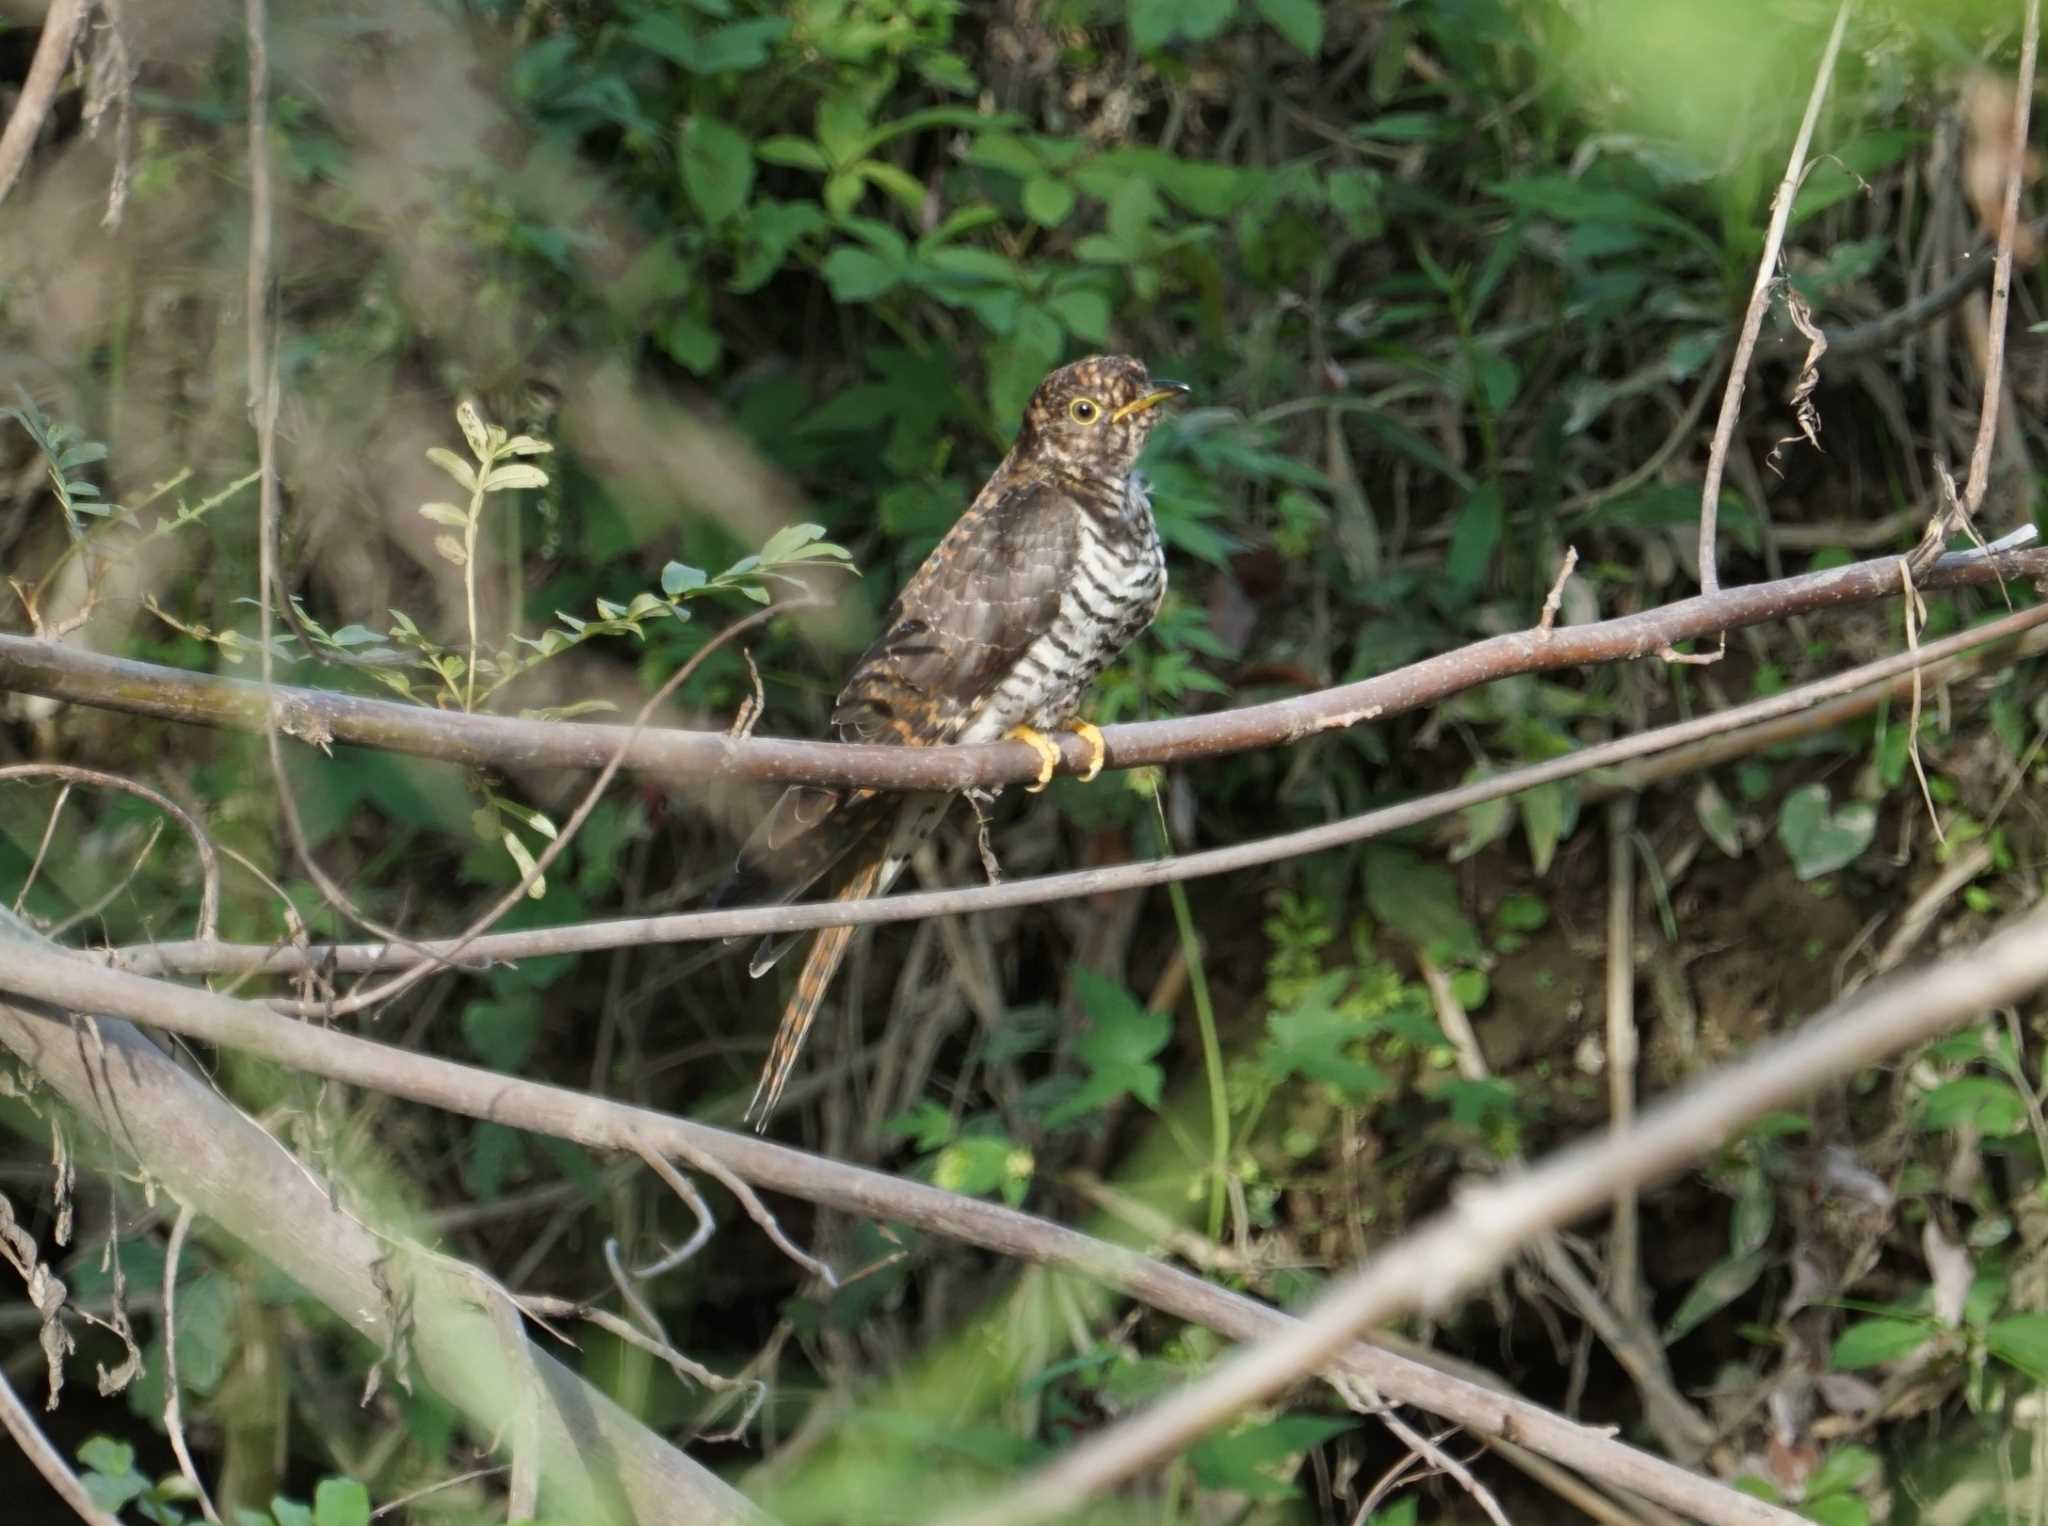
[717,165]
[1819,840]
[1118,1049]
[1872,1341]
[341,1502]
[1420,901]
[1154,23]
[502,1029]
[1299,21]
[2021,1340]
[1312,1038]
[1717,1287]
[1983,1103]
[1260,1460]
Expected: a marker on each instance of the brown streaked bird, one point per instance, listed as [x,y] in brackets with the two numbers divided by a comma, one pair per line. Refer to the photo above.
[1050,573]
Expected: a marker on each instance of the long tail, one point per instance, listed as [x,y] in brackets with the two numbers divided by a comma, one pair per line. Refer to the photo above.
[811,984]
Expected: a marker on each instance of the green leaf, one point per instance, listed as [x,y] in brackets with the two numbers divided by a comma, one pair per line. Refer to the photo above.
[1313,1037]
[290,1512]
[1155,23]
[1836,1509]
[1019,363]
[454,466]
[679,578]
[691,342]
[984,1163]
[1047,202]
[717,166]
[742,45]
[1118,1050]
[105,1455]
[797,153]
[1084,312]
[1871,1341]
[855,275]
[788,542]
[1261,1460]
[2022,1340]
[443,514]
[501,1030]
[1475,544]
[1549,812]
[1984,1103]
[341,1502]
[514,475]
[495,1153]
[1299,21]
[1819,840]
[1846,1467]
[1420,901]
[1718,1286]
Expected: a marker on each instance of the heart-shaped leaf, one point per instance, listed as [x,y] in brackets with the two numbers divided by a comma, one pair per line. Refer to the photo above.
[1819,840]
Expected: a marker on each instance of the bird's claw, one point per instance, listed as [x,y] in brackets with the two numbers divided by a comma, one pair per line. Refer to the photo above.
[1098,750]
[1048,754]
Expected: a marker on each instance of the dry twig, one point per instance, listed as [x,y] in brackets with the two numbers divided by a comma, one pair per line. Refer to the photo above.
[1760,301]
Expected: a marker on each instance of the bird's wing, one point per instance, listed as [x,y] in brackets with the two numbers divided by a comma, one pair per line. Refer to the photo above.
[965,618]
[987,591]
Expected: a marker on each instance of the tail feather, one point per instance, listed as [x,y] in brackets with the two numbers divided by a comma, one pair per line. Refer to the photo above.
[887,851]
[811,984]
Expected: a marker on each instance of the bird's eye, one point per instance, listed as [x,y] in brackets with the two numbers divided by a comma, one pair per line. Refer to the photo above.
[1084,410]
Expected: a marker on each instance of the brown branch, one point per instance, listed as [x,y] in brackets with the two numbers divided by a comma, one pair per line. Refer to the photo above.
[599,1464]
[587,937]
[45,74]
[29,666]
[2001,280]
[1432,1265]
[48,1461]
[209,863]
[42,974]
[1759,302]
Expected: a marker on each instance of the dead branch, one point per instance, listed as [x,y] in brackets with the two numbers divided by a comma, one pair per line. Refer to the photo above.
[585,937]
[29,666]
[45,74]
[599,1464]
[41,974]
[1430,1266]
[1760,301]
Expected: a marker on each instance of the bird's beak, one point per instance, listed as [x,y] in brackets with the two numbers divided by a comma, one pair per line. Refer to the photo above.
[1166,393]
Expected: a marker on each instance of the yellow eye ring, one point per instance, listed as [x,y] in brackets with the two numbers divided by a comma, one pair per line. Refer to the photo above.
[1084,410]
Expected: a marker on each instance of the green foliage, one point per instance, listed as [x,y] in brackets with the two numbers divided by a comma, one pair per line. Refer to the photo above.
[1821,840]
[63,451]
[107,1469]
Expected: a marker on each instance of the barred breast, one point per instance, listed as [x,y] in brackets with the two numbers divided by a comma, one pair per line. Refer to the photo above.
[1118,582]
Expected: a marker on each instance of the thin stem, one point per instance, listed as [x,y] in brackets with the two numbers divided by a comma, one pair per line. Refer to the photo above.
[1212,1057]
[1759,301]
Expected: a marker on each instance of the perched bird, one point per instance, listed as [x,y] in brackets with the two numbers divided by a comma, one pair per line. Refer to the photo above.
[1050,573]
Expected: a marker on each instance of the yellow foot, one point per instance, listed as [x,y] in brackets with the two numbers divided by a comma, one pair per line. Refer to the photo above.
[1047,749]
[1090,733]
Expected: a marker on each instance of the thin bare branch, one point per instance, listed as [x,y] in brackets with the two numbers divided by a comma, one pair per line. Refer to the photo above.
[1760,301]
[209,861]
[598,1464]
[45,74]
[2001,279]
[48,1461]
[174,1423]
[746,921]
[1431,1266]
[39,973]
[29,666]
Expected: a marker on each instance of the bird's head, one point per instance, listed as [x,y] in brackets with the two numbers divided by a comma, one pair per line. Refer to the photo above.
[1096,414]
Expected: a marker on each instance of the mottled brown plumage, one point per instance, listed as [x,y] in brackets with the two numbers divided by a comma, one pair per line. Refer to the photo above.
[1050,573]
